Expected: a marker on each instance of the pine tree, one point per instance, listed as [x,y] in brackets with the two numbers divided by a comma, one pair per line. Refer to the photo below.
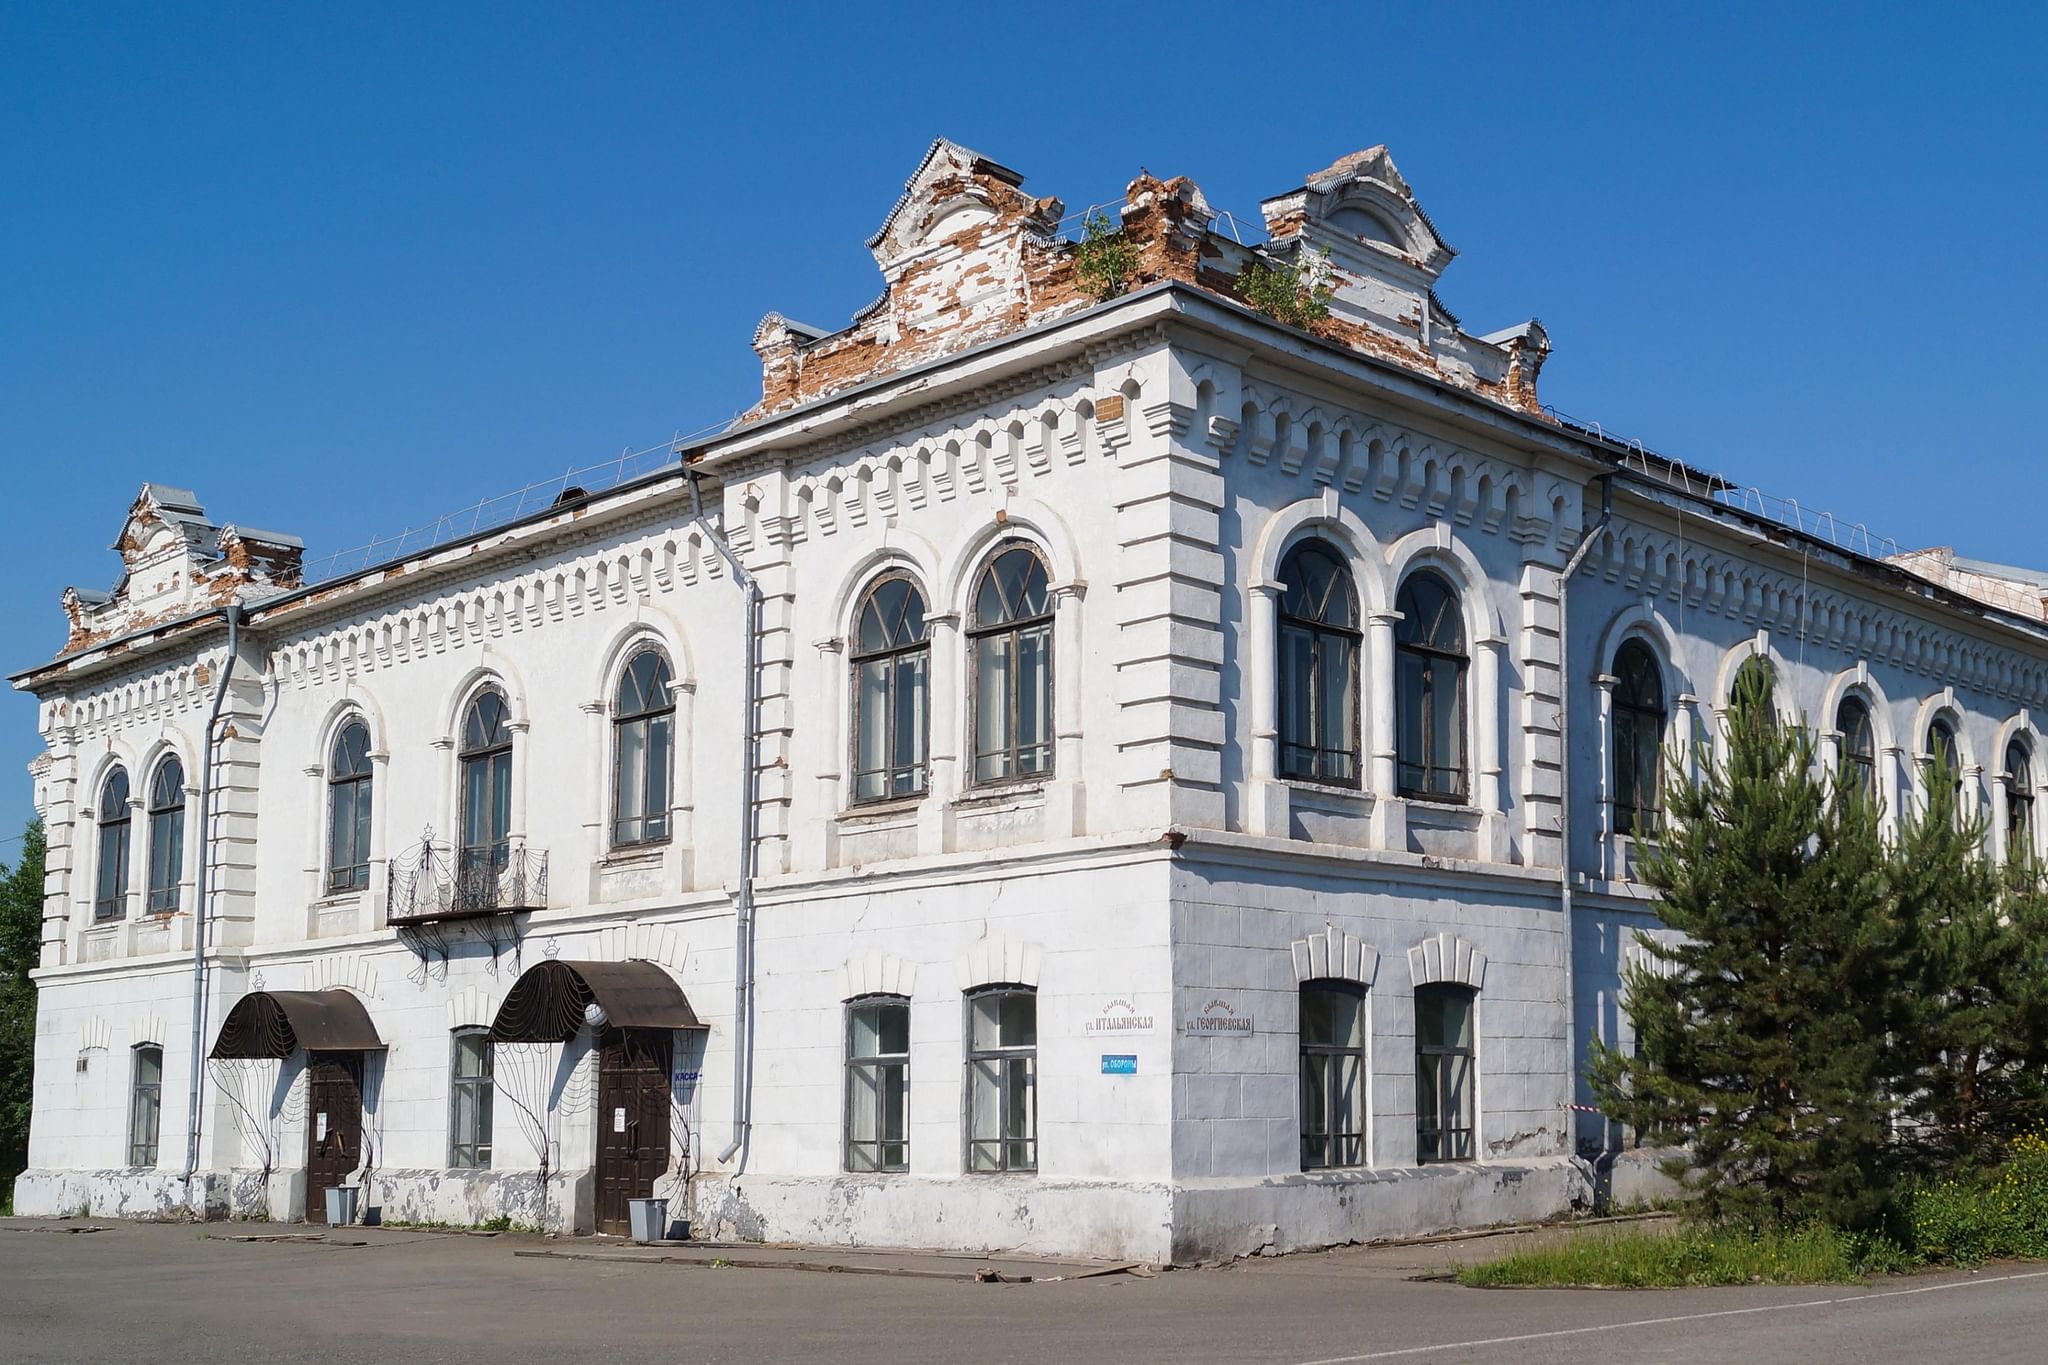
[1762,1033]
[1976,1042]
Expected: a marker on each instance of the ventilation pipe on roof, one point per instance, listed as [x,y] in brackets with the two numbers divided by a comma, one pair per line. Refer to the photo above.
[743,900]
[232,614]
[1564,806]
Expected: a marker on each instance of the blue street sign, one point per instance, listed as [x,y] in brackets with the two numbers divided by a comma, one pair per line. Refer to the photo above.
[1119,1065]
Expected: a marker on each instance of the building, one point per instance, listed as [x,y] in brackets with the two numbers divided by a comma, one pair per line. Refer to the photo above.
[1082,766]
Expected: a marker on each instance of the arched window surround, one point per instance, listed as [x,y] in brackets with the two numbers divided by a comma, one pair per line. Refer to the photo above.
[1438,549]
[889,752]
[1638,731]
[1859,684]
[1320,665]
[1644,625]
[1013,658]
[164,858]
[113,844]
[1943,711]
[2017,829]
[640,796]
[486,817]
[1433,671]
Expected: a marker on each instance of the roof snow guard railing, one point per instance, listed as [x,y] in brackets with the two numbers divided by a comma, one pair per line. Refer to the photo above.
[486,514]
[1852,537]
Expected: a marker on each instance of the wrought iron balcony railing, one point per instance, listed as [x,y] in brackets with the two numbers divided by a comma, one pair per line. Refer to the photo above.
[431,881]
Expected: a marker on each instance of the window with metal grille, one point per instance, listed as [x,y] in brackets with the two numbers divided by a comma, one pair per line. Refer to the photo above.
[348,808]
[486,763]
[1002,1079]
[145,1105]
[1333,1074]
[878,1085]
[1009,636]
[1429,690]
[1446,1072]
[470,1091]
[1318,667]
[1639,718]
[110,893]
[166,837]
[643,744]
[891,659]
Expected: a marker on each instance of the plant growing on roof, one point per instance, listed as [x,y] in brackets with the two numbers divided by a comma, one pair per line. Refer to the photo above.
[1295,292]
[1104,258]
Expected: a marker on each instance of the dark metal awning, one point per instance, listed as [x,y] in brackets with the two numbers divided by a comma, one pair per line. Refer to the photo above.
[279,1023]
[550,1001]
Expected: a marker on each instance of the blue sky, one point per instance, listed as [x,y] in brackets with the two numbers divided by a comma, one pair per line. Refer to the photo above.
[343,269]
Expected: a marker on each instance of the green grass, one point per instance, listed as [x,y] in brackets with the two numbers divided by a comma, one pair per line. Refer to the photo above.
[1969,1217]
[1642,1258]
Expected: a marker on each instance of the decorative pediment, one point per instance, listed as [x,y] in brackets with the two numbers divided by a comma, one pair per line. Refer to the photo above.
[1361,210]
[176,562]
[954,192]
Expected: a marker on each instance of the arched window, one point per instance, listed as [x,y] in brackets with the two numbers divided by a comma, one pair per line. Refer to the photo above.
[110,896]
[166,836]
[1332,1074]
[891,664]
[643,742]
[486,762]
[1639,717]
[1429,690]
[1318,665]
[1446,1072]
[2019,800]
[348,809]
[1944,764]
[1859,744]
[878,1084]
[1756,682]
[1010,637]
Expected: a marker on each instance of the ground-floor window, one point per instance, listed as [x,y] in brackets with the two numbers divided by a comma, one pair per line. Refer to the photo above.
[145,1105]
[878,1085]
[1332,1074]
[470,1091]
[1002,1079]
[1446,1072]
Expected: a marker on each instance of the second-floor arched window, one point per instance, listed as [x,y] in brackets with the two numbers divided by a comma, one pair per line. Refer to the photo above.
[166,836]
[1859,745]
[1639,717]
[1944,764]
[2019,800]
[110,891]
[348,808]
[486,763]
[1318,665]
[1429,690]
[643,745]
[1756,682]
[891,659]
[1010,638]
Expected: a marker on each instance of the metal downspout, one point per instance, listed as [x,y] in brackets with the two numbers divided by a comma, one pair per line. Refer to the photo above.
[743,901]
[1564,806]
[233,616]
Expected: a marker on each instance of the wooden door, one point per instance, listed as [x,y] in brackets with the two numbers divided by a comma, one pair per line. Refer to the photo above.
[334,1125]
[632,1121]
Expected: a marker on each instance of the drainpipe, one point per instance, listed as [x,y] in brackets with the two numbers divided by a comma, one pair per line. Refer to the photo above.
[1564,808]
[743,901]
[232,614]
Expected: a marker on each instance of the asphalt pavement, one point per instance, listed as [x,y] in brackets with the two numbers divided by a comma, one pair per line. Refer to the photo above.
[169,1293]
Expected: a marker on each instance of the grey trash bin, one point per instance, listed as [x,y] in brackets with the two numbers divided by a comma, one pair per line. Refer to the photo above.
[649,1219]
[341,1204]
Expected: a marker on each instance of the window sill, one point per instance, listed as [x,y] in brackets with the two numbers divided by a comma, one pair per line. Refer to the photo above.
[1328,791]
[881,810]
[1436,802]
[1017,791]
[639,855]
[341,900]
